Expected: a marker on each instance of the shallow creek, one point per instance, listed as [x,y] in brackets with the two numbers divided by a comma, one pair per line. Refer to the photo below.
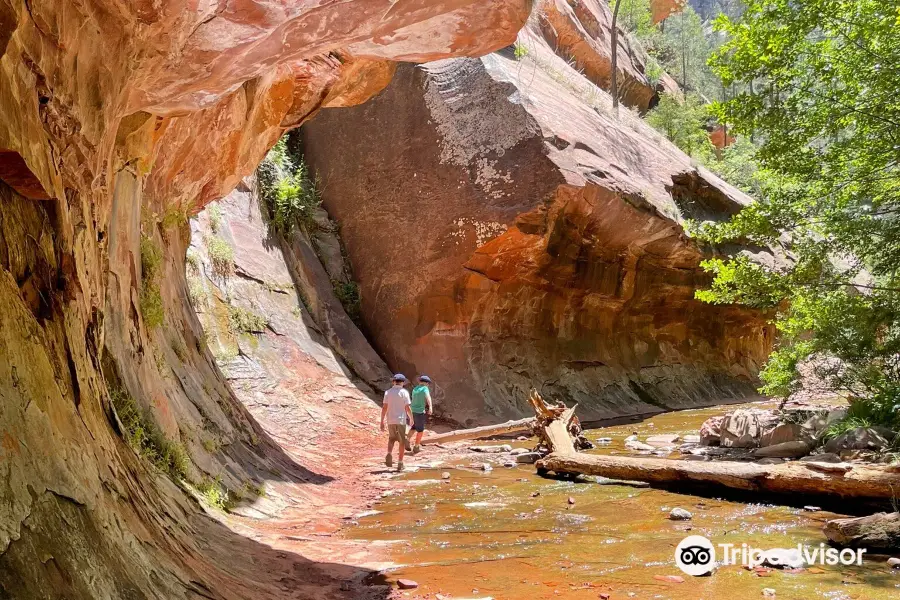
[509,534]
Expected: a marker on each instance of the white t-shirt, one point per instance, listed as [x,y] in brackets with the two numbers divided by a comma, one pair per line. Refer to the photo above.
[396,399]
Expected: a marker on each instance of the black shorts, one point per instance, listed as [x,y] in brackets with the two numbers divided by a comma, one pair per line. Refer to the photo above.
[419,422]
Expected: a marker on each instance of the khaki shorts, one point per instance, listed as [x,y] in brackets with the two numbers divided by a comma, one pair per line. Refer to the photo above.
[397,433]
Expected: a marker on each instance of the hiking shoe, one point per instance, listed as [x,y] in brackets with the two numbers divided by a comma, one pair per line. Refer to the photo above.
[407,445]
[400,466]
[416,449]
[388,460]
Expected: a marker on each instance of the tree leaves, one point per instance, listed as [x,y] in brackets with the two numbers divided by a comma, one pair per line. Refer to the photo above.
[821,93]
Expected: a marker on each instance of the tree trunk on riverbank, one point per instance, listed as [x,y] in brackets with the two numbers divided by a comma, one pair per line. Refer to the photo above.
[880,531]
[846,480]
[522,425]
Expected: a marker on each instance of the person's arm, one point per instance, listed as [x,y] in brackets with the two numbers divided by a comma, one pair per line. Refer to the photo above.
[428,400]
[384,408]
[409,416]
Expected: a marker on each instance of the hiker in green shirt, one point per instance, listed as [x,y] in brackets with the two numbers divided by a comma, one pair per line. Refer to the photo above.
[421,405]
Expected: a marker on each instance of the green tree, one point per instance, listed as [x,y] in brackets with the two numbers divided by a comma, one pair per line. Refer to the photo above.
[828,118]
[683,123]
[635,17]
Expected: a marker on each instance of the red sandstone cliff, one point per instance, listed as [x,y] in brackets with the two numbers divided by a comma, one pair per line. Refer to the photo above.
[129,116]
[522,235]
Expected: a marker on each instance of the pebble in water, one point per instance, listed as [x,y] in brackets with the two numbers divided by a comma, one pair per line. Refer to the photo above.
[679,514]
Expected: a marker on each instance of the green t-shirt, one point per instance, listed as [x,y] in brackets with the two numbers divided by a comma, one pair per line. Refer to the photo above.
[419,394]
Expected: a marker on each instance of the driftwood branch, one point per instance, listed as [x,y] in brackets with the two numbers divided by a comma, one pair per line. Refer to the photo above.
[522,425]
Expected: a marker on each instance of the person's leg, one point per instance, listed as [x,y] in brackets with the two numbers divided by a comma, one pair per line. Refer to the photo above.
[389,460]
[419,428]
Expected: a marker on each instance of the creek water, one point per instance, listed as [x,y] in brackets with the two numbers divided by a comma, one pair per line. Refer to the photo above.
[509,534]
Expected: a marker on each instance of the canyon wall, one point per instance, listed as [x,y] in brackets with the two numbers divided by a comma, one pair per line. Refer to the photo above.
[523,234]
[120,119]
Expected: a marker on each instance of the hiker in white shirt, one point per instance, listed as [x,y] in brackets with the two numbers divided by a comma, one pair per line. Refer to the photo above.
[395,409]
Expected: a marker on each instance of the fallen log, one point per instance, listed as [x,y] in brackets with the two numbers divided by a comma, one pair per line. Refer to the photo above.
[522,425]
[880,531]
[856,481]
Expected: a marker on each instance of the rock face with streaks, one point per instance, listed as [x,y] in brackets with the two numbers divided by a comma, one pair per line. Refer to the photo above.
[523,235]
[580,33]
[119,120]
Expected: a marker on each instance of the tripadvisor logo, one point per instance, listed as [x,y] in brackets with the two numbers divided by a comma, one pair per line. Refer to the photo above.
[695,555]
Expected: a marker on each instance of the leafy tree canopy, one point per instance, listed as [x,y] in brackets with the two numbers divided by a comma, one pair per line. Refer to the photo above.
[821,95]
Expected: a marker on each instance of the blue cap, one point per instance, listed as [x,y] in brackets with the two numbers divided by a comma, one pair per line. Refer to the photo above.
[399,377]
[425,378]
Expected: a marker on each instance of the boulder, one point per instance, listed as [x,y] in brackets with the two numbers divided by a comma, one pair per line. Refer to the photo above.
[861,438]
[744,428]
[836,414]
[517,451]
[407,584]
[711,431]
[786,432]
[528,458]
[784,450]
[816,423]
[680,514]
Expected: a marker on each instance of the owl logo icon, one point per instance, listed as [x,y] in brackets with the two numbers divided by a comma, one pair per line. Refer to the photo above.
[695,555]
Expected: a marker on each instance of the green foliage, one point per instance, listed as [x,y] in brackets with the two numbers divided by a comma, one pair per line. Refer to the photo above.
[738,166]
[683,123]
[681,46]
[146,439]
[520,50]
[820,86]
[221,256]
[654,71]
[211,445]
[864,414]
[635,16]
[192,261]
[225,355]
[197,292]
[150,296]
[214,493]
[348,294]
[215,217]
[242,320]
[288,190]
[176,216]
